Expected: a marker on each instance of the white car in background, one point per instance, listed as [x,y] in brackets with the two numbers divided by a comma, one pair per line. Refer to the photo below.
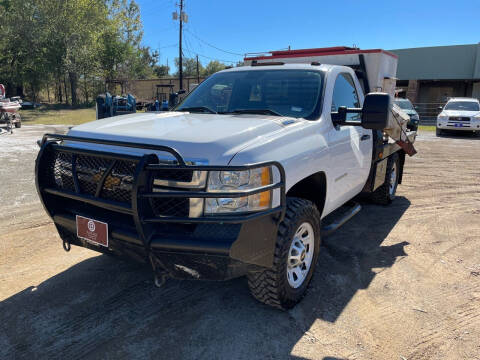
[459,114]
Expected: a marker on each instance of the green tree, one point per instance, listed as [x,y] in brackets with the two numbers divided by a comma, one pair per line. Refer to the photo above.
[80,35]
[71,44]
[22,51]
[213,67]
[189,66]
[124,58]
[161,70]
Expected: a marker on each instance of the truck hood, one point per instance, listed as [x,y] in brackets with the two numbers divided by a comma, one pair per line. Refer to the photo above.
[208,138]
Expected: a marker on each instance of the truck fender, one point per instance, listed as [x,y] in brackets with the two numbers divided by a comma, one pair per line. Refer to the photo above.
[313,188]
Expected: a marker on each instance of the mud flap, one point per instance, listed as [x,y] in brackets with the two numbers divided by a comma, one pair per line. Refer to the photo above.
[407,146]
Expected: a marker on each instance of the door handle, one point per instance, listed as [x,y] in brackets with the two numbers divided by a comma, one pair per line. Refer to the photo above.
[364,137]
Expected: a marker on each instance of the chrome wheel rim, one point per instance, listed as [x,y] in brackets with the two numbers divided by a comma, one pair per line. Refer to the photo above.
[300,255]
[393,179]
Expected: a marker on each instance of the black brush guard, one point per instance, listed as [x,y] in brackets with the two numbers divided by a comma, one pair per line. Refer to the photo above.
[208,247]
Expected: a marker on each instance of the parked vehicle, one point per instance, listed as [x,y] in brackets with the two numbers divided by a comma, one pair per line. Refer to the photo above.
[237,179]
[108,105]
[459,114]
[409,109]
[29,104]
[9,110]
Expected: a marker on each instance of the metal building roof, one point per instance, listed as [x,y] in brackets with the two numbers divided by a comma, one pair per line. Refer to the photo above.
[439,63]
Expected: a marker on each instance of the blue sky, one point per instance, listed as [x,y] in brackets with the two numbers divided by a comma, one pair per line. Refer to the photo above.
[262,25]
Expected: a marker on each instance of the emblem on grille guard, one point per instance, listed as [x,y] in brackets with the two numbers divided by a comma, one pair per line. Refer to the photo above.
[91,225]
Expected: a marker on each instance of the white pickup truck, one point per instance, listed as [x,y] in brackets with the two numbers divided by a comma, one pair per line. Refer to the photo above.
[235,181]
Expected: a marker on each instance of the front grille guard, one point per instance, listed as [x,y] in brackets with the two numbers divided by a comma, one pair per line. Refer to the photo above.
[140,208]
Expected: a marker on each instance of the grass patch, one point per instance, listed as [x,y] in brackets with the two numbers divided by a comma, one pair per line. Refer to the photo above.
[427,127]
[55,116]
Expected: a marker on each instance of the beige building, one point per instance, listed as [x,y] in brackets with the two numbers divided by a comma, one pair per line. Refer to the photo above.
[431,75]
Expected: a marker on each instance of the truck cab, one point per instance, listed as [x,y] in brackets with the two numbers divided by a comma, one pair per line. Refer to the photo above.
[235,181]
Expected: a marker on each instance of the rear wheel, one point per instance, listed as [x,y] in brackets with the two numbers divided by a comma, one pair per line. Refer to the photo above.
[18,124]
[385,194]
[296,253]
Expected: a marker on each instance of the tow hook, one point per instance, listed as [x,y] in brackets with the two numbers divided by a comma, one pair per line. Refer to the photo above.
[160,276]
[66,245]
[160,279]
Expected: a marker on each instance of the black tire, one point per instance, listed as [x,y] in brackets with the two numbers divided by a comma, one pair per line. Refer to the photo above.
[438,132]
[271,286]
[383,195]
[18,125]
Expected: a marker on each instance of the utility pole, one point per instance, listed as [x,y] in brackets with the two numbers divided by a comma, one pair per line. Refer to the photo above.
[182,17]
[180,60]
[198,72]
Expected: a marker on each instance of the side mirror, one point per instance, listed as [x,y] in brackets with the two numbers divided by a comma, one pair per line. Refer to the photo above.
[181,92]
[440,108]
[375,111]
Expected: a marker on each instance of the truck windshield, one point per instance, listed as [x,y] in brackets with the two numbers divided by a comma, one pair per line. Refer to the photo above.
[404,104]
[462,105]
[293,93]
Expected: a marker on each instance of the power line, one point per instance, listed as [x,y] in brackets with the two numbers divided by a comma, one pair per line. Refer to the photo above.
[211,58]
[191,52]
[188,46]
[213,46]
[167,46]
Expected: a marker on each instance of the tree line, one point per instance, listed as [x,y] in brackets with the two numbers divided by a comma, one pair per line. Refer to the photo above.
[69,50]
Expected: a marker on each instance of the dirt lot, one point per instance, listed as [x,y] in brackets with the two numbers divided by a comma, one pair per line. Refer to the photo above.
[401,282]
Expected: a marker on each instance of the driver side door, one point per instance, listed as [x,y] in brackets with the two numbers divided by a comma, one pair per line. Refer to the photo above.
[349,155]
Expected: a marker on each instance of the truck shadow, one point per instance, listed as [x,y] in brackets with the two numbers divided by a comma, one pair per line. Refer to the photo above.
[105,308]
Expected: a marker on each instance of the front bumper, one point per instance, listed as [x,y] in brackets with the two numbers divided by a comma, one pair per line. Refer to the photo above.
[459,123]
[462,127]
[205,247]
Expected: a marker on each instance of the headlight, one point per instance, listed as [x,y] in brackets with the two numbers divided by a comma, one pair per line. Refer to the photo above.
[442,117]
[238,181]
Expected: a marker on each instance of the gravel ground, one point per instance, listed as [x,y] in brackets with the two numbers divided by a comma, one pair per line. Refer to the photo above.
[398,282]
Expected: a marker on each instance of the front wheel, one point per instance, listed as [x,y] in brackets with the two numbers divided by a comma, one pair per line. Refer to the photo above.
[296,253]
[438,131]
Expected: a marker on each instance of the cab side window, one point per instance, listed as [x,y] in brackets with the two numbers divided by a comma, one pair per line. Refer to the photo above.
[345,94]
